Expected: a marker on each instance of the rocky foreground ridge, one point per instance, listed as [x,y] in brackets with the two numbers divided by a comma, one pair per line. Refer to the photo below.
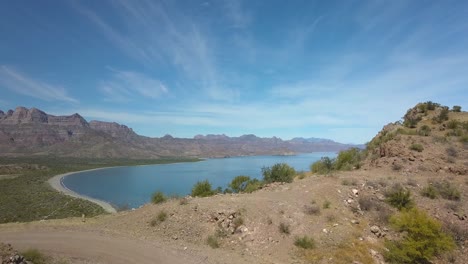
[33,132]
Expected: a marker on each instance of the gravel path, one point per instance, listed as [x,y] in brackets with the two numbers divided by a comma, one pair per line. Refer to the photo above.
[95,247]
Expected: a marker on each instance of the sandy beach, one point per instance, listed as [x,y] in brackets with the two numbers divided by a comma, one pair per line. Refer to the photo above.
[57,184]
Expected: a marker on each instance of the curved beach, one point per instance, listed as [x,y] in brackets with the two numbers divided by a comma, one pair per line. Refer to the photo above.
[57,183]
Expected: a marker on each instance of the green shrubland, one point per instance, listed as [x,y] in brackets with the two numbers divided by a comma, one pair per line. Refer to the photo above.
[280,172]
[346,160]
[422,238]
[202,189]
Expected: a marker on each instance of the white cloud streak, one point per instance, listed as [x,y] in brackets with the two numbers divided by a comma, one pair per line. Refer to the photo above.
[127,85]
[22,84]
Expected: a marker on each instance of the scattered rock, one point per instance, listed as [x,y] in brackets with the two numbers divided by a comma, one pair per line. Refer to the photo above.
[375,229]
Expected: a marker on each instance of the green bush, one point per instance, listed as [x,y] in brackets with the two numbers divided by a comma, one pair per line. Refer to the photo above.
[35,256]
[348,159]
[422,238]
[431,105]
[158,197]
[453,124]
[399,197]
[212,241]
[425,130]
[160,217]
[202,189]
[322,166]
[416,147]
[280,172]
[456,108]
[430,192]
[447,190]
[304,242]
[443,115]
[239,183]
[253,185]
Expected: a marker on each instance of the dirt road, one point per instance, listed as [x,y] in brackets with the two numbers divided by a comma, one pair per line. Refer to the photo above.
[97,248]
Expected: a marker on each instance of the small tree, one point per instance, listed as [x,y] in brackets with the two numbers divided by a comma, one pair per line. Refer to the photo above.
[399,197]
[456,108]
[239,183]
[158,197]
[322,166]
[423,238]
[280,172]
[202,189]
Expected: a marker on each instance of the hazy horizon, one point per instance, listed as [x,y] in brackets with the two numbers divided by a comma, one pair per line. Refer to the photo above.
[337,69]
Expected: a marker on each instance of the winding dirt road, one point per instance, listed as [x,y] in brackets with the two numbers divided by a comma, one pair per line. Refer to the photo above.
[97,248]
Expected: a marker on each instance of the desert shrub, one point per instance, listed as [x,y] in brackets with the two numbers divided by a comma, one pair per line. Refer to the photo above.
[430,192]
[442,116]
[422,239]
[447,190]
[454,206]
[347,182]
[431,105]
[425,130]
[284,228]
[452,152]
[416,147]
[366,203]
[304,242]
[453,124]
[238,221]
[458,231]
[330,217]
[160,217]
[280,172]
[35,256]
[399,197]
[202,189]
[322,166]
[158,197]
[456,108]
[326,204]
[212,241]
[239,183]
[348,159]
[464,139]
[253,185]
[312,209]
[439,139]
[411,119]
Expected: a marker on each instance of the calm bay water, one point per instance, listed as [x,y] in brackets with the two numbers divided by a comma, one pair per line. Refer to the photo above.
[132,186]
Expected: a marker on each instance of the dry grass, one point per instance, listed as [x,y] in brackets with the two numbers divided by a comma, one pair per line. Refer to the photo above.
[349,251]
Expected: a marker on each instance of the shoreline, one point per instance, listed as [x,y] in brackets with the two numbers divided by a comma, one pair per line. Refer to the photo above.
[56,183]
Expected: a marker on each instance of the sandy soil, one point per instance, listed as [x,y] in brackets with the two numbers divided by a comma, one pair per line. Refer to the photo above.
[342,233]
[57,183]
[94,247]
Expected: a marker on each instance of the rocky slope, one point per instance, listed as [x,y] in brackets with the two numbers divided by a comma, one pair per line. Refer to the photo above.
[33,132]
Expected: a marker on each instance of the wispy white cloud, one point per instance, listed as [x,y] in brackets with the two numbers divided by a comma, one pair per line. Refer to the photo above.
[127,85]
[158,35]
[22,84]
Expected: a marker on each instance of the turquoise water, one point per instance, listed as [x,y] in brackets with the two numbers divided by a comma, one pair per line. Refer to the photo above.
[132,186]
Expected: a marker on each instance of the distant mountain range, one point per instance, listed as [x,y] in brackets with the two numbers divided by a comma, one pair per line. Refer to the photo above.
[26,132]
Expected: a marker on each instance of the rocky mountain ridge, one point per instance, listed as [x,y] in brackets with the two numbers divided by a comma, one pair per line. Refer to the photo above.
[33,132]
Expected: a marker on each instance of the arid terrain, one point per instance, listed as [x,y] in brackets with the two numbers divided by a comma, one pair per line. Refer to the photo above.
[346,214]
[26,132]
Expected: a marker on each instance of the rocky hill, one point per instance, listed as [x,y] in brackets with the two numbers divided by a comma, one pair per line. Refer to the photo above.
[430,138]
[34,132]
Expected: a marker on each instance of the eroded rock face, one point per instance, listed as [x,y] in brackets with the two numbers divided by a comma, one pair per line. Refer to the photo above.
[114,129]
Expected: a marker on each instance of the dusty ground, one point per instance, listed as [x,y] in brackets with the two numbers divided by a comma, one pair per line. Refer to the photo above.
[321,207]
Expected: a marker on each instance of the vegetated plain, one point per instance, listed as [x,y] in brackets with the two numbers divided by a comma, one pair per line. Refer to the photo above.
[27,196]
[391,202]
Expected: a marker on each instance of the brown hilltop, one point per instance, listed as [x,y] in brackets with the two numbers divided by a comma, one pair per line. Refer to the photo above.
[430,138]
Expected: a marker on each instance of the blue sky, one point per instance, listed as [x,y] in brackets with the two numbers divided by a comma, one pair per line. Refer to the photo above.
[331,69]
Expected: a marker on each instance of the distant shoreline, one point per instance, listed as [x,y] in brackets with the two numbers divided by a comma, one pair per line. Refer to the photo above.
[56,182]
